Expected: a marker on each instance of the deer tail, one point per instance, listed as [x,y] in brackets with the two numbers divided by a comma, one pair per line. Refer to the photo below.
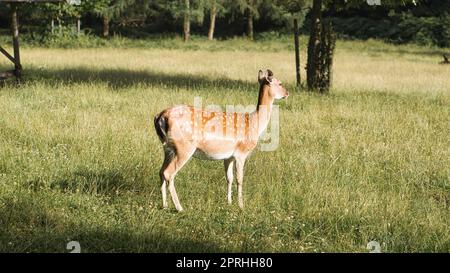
[161,127]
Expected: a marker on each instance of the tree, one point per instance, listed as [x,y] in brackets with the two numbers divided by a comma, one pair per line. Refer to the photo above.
[250,9]
[212,19]
[290,13]
[314,70]
[187,20]
[251,13]
[184,12]
[322,41]
[103,9]
[107,10]
[216,9]
[53,11]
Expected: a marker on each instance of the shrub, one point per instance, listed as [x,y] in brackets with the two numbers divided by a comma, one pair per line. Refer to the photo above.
[401,28]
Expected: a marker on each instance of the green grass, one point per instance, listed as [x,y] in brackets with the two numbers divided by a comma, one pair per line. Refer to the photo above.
[79,158]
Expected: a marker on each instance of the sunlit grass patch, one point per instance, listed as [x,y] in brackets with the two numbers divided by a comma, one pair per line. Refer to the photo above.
[79,158]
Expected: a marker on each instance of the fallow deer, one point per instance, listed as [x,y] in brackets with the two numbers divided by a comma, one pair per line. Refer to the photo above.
[187,131]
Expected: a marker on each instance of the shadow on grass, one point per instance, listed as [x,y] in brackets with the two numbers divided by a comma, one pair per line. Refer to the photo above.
[27,225]
[420,52]
[91,182]
[105,182]
[101,241]
[124,78]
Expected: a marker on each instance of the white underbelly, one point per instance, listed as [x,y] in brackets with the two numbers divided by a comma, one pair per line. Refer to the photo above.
[212,156]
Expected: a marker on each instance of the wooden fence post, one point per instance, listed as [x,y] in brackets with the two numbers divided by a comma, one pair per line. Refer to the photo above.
[15,34]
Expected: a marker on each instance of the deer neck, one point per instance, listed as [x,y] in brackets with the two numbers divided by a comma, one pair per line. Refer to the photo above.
[263,109]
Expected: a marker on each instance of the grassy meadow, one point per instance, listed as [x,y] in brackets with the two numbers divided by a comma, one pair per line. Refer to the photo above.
[79,158]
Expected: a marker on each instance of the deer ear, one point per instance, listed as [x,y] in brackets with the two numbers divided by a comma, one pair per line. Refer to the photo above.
[261,76]
[269,75]
[266,76]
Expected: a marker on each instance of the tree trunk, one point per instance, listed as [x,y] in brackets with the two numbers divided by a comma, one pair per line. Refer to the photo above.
[15,34]
[52,26]
[105,32]
[187,20]
[58,19]
[297,53]
[78,26]
[212,21]
[314,44]
[327,52]
[250,23]
[320,51]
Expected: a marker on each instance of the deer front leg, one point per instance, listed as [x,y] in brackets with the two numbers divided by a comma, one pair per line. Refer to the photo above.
[164,193]
[240,179]
[229,163]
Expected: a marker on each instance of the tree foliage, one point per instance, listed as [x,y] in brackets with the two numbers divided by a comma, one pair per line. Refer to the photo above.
[424,21]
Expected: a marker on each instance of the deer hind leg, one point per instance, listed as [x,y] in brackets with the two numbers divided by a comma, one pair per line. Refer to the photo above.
[229,163]
[171,170]
[169,155]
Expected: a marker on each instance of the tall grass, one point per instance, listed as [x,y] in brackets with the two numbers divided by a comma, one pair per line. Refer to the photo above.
[79,158]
